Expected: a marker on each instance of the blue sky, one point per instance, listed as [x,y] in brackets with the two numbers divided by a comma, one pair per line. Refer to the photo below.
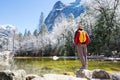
[24,14]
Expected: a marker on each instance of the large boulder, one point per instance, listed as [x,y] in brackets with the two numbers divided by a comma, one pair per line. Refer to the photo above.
[84,73]
[13,75]
[100,74]
[52,77]
[31,76]
[6,75]
[115,76]
[19,74]
[60,77]
[38,78]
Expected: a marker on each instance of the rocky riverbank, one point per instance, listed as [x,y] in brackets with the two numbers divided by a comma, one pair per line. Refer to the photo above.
[96,74]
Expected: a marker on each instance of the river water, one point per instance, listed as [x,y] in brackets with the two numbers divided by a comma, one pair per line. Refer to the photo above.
[42,66]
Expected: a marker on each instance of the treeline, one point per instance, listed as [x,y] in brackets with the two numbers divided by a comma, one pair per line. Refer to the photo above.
[101,20]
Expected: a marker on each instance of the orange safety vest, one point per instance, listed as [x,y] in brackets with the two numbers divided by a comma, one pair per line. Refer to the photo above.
[82,36]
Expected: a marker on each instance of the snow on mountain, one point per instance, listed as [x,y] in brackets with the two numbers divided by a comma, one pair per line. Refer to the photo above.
[76,8]
[6,35]
[7,30]
[7,27]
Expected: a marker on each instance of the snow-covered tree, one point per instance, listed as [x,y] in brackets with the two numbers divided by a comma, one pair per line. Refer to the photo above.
[105,24]
[44,29]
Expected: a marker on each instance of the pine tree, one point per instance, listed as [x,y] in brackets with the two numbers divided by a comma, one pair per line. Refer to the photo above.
[35,33]
[25,33]
[29,33]
[44,29]
[41,21]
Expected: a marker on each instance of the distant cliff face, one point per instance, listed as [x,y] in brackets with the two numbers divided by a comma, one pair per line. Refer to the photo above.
[66,9]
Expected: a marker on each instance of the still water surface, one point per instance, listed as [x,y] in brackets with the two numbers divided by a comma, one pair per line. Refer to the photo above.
[48,65]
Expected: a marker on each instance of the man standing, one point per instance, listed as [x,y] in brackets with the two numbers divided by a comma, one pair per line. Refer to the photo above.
[81,40]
